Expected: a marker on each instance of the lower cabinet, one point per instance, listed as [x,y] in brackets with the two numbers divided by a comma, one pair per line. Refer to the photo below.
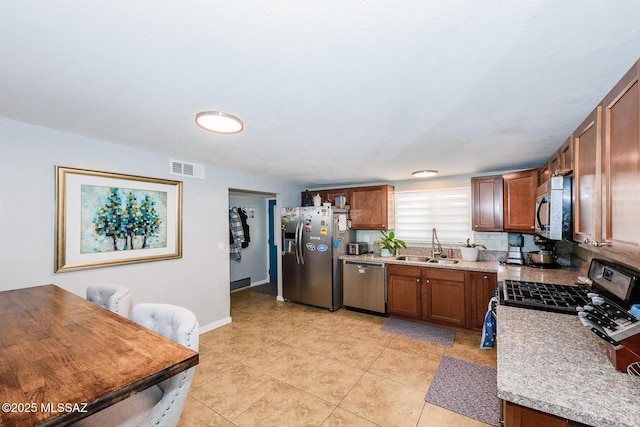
[521,416]
[443,298]
[448,296]
[404,290]
[480,287]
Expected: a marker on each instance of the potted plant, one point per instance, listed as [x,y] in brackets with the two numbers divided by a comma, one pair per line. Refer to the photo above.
[389,244]
[470,250]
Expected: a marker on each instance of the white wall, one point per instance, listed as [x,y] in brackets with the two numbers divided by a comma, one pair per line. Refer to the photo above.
[198,281]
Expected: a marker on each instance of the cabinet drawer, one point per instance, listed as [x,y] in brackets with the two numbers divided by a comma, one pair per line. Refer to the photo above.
[403,270]
[444,274]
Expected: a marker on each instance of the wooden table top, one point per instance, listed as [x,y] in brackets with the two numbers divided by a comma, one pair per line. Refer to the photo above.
[63,358]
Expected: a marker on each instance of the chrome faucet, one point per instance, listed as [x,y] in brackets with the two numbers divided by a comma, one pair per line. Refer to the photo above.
[436,249]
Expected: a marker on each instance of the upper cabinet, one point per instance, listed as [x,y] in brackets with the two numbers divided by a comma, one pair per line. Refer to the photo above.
[587,178]
[373,207]
[562,160]
[607,174]
[504,202]
[519,200]
[486,196]
[621,168]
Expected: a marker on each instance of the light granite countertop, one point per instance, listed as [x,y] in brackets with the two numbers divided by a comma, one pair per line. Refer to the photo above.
[549,361]
[484,266]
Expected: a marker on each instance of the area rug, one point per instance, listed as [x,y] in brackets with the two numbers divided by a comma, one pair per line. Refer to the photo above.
[419,331]
[267,288]
[467,388]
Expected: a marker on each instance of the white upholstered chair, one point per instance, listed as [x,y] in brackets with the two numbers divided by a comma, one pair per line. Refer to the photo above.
[162,404]
[116,298]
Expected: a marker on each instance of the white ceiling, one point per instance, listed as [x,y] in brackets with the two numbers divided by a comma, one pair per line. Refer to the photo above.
[331,92]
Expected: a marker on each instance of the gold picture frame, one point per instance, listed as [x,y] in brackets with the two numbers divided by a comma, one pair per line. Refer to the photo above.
[105,219]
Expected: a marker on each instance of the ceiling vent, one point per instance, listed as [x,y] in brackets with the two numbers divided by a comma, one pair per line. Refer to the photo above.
[193,170]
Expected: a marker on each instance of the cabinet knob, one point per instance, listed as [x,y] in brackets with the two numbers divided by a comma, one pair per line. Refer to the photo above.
[585,241]
[476,225]
[426,281]
[486,277]
[532,227]
[417,280]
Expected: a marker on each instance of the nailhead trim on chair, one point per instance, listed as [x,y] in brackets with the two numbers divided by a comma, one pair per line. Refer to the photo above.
[120,299]
[184,376]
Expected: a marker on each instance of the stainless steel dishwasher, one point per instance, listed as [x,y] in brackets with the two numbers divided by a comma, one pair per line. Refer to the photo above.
[365,286]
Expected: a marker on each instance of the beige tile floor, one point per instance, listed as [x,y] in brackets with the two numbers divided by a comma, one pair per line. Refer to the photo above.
[285,364]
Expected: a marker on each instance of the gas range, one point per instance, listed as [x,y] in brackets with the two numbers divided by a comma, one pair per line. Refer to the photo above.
[544,296]
[603,306]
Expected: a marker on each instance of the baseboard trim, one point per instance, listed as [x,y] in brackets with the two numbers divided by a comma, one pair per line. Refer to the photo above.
[215,325]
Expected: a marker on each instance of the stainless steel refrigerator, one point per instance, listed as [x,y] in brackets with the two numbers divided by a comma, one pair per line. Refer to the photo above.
[312,240]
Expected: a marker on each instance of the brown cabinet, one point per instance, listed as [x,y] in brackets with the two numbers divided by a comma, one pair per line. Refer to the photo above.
[562,159]
[486,199]
[521,416]
[587,178]
[443,296]
[519,200]
[373,207]
[404,291]
[447,296]
[621,168]
[606,149]
[479,291]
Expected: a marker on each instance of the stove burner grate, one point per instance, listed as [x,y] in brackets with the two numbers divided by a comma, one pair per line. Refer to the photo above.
[544,296]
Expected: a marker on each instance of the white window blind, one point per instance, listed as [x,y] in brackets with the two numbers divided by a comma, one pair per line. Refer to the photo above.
[448,210]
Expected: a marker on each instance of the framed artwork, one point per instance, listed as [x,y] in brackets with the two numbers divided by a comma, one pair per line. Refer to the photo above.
[105,219]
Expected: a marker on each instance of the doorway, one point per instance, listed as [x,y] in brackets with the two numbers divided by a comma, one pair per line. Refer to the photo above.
[252,263]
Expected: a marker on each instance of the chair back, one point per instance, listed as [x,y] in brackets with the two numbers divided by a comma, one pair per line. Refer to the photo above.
[113,297]
[180,325]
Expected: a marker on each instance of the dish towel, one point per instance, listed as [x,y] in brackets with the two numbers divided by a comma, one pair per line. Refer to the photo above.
[489,327]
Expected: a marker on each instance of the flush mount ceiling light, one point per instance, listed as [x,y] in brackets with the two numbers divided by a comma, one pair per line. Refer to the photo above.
[218,122]
[424,173]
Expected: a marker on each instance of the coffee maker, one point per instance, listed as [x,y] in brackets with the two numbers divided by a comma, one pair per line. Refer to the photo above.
[514,254]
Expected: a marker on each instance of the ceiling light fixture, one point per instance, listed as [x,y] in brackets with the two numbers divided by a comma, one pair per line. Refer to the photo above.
[425,173]
[218,122]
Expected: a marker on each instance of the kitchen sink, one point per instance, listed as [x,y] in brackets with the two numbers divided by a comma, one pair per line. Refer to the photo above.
[443,261]
[412,258]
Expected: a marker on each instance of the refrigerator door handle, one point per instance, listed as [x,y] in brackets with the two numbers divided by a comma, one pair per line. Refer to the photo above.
[299,241]
[295,244]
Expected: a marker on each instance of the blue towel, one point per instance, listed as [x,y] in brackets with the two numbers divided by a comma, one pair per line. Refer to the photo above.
[489,328]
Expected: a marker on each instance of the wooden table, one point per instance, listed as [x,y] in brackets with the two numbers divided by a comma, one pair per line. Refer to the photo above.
[63,358]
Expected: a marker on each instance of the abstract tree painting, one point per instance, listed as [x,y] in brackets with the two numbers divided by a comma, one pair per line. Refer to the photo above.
[105,219]
[116,219]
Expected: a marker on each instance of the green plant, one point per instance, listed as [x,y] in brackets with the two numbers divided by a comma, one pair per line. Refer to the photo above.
[472,245]
[390,242]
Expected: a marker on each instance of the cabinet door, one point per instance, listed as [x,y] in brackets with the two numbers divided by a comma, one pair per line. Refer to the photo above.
[403,290]
[372,208]
[621,169]
[554,164]
[443,298]
[479,290]
[565,155]
[520,200]
[520,416]
[587,192]
[486,196]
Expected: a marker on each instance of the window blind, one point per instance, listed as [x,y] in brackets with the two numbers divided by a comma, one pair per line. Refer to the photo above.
[448,210]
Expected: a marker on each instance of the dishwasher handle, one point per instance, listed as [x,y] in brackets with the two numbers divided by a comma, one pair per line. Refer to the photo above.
[366,264]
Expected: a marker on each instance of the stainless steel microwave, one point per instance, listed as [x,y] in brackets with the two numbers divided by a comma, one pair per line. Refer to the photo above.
[554,209]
